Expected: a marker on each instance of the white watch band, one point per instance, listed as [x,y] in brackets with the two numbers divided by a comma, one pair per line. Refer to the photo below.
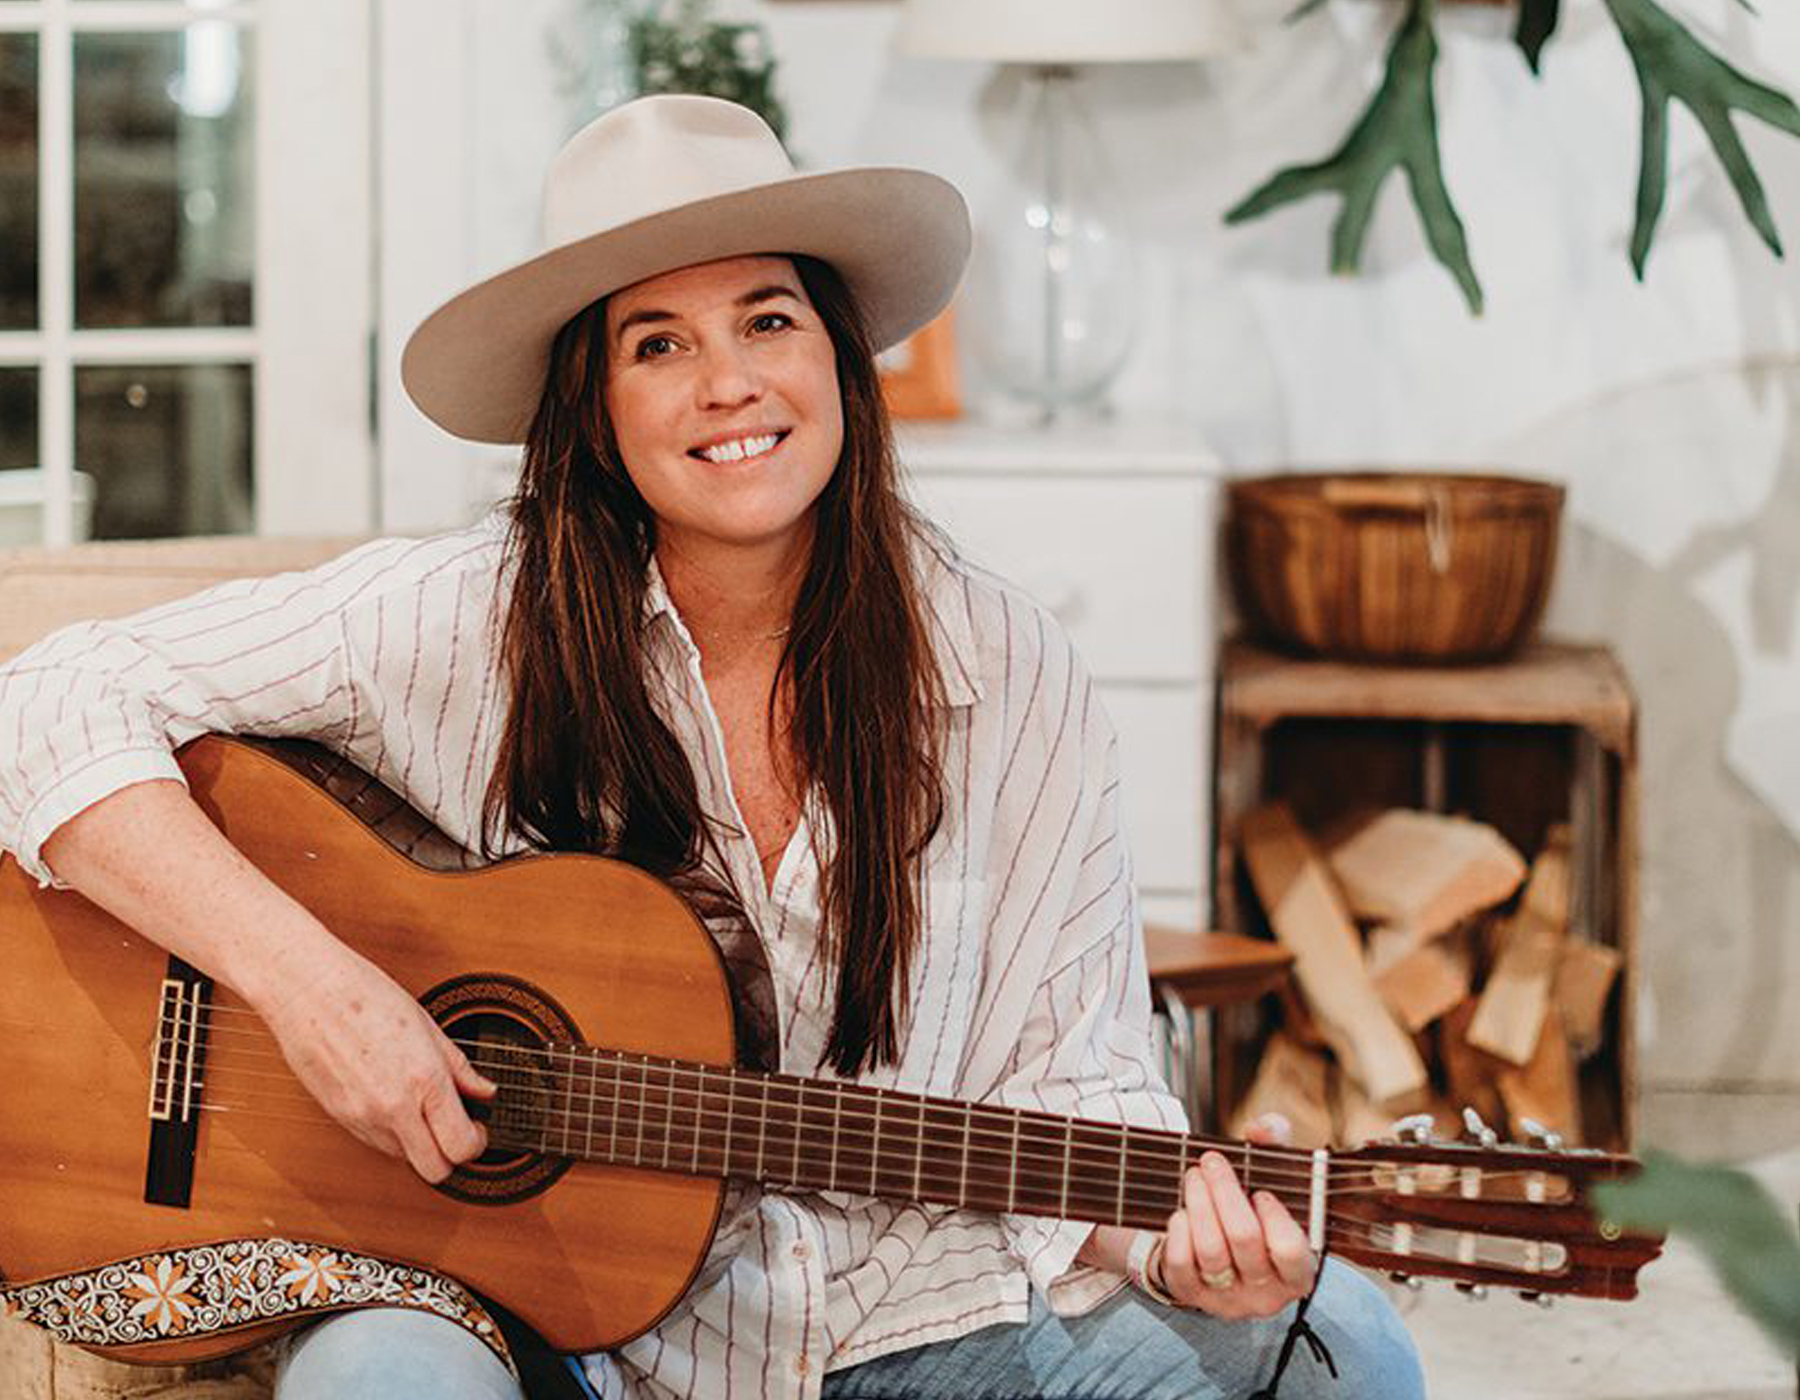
[1144,1255]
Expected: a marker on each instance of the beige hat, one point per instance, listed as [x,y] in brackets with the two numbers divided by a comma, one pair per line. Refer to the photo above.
[662,183]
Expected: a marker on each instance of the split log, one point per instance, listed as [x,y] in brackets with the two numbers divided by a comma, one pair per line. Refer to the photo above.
[1308,915]
[1423,985]
[1294,1082]
[1423,871]
[1584,977]
[1544,1090]
[1471,1074]
[1516,999]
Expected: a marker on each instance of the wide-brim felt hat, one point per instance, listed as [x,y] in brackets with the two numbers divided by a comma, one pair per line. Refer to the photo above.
[663,183]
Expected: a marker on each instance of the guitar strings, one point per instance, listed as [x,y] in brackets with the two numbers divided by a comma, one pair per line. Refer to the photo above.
[716,1169]
[1157,1146]
[898,1137]
[1343,1234]
[595,1058]
[1142,1172]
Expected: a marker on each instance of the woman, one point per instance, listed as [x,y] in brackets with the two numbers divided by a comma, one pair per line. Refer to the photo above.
[709,638]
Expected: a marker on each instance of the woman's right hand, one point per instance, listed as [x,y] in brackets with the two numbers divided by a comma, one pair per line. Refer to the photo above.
[373,1058]
[358,1042]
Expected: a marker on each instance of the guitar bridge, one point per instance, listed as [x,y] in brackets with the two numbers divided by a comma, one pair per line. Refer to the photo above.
[177,1060]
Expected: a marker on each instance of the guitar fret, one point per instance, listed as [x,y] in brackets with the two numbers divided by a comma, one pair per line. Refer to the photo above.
[567,1112]
[643,1108]
[587,1142]
[837,1110]
[919,1154]
[1068,1146]
[699,1102]
[1124,1172]
[875,1146]
[762,1129]
[962,1192]
[1012,1171]
[612,1126]
[799,1114]
[731,1079]
[668,1117]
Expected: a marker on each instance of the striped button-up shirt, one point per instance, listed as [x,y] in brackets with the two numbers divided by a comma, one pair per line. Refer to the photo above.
[1029,987]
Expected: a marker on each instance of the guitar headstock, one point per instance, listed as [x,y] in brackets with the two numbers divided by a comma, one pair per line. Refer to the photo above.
[1485,1213]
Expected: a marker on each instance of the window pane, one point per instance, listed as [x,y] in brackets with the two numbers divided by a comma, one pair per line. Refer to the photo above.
[164,234]
[169,448]
[18,417]
[18,181]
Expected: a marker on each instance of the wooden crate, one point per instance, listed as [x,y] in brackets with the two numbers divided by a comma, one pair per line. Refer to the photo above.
[1545,737]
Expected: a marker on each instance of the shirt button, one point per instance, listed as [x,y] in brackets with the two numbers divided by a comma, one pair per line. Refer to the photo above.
[802,1252]
[801,1365]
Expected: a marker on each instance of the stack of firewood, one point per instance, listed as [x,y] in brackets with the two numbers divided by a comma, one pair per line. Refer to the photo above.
[1434,969]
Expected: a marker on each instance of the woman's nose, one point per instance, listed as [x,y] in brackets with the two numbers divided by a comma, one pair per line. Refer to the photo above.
[727,377]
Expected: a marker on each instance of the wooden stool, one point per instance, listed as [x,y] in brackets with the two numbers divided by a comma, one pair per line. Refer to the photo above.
[1200,972]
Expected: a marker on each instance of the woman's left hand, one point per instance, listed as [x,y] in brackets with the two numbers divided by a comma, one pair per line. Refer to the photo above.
[1230,1254]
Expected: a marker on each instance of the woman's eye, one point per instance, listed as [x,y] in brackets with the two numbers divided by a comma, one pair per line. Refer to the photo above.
[771,321]
[653,347]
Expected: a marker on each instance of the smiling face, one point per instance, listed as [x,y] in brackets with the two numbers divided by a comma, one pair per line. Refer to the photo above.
[722,391]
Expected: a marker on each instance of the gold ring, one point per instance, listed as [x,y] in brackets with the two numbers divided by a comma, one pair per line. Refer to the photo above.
[1225,1278]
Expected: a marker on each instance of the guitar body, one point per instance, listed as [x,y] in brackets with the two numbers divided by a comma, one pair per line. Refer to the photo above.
[589,1254]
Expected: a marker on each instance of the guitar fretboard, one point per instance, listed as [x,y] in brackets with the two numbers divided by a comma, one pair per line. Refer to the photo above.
[601,1105]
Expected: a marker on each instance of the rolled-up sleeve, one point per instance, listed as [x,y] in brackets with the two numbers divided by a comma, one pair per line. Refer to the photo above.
[99,706]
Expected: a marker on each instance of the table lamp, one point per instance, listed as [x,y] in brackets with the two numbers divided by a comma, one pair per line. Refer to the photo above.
[1053,290]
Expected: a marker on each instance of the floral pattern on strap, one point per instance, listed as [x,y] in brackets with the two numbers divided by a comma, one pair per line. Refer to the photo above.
[180,1293]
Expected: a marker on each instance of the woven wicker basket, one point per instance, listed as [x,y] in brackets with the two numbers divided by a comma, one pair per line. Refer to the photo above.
[1394,566]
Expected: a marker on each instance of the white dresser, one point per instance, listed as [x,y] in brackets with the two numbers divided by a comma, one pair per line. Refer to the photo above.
[1114,528]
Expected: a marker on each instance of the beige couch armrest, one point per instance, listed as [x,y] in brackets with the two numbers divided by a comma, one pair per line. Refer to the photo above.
[44,589]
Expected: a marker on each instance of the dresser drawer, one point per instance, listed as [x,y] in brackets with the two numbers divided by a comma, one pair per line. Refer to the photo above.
[1125,566]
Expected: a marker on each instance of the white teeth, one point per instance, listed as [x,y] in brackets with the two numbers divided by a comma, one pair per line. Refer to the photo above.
[739,449]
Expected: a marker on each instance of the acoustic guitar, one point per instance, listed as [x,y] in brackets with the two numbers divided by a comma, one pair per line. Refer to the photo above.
[143,1109]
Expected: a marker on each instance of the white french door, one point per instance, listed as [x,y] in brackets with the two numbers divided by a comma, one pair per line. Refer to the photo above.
[186,303]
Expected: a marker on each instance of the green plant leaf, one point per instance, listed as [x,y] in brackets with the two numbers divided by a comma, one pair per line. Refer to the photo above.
[1671,63]
[1397,129]
[1302,11]
[1748,1238]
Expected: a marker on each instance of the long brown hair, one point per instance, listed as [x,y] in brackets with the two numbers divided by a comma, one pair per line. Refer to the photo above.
[586,763]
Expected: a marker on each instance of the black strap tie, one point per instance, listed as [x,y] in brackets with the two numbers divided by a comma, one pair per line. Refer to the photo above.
[1300,1330]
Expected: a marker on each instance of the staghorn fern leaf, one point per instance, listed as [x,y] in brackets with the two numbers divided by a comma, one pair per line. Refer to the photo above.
[1398,129]
[1671,63]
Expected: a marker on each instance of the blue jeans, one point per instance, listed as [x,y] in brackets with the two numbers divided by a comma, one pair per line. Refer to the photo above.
[1128,1347]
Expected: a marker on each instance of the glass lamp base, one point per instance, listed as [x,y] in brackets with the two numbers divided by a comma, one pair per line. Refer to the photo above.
[1053,284]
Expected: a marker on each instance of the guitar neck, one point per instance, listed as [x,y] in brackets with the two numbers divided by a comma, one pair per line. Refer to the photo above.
[600,1105]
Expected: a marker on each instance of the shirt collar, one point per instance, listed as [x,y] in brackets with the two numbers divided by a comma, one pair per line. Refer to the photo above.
[944,590]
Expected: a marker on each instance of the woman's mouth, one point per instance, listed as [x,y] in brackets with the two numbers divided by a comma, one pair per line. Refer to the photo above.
[739,449]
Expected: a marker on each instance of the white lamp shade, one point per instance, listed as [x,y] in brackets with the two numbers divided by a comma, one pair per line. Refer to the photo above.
[1068,31]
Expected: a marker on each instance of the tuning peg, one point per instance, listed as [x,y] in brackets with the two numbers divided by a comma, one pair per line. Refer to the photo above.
[1542,1300]
[1414,1128]
[1475,1131]
[1409,1282]
[1539,1136]
[1472,1291]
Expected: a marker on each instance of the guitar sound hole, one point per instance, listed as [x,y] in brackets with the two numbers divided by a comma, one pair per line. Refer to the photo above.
[507,1053]
[511,1031]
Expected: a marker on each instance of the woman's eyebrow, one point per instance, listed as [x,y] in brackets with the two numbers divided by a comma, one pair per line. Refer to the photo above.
[650,315]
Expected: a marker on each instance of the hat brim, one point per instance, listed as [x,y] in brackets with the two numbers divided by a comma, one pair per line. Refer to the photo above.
[899,238]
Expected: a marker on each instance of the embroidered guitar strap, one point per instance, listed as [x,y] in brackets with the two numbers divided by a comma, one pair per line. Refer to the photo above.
[179,1293]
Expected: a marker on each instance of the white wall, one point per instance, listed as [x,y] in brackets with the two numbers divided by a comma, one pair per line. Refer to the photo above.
[1669,408]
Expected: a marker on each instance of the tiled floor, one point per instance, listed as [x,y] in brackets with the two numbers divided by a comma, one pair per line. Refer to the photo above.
[1681,1339]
